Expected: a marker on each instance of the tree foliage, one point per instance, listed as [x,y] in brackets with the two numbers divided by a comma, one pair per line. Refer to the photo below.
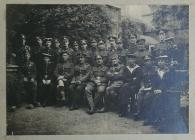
[76,21]
[171,16]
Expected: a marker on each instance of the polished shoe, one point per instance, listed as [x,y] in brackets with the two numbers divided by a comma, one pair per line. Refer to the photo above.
[102,110]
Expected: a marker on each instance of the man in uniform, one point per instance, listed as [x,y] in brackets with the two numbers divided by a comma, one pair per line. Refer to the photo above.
[112,48]
[56,50]
[95,89]
[121,51]
[92,52]
[132,77]
[132,47]
[48,48]
[85,50]
[101,50]
[115,78]
[76,51]
[161,48]
[65,45]
[23,49]
[30,84]
[64,72]
[145,94]
[141,51]
[78,83]
[46,76]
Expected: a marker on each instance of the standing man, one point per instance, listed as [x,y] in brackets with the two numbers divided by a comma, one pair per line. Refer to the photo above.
[132,47]
[64,72]
[30,84]
[79,81]
[46,76]
[95,89]
[65,45]
[85,50]
[141,51]
[115,77]
[162,47]
[92,51]
[132,77]
[101,50]
[121,52]
[76,51]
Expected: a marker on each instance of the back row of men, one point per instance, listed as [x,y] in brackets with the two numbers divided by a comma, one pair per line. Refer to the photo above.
[94,74]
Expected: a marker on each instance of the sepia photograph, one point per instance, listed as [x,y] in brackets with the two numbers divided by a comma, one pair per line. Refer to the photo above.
[83,69]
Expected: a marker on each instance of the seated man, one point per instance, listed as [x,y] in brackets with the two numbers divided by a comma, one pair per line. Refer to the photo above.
[30,84]
[114,75]
[132,77]
[78,83]
[46,76]
[95,89]
[64,72]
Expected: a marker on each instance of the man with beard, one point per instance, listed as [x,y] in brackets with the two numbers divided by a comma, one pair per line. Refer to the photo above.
[96,86]
[79,81]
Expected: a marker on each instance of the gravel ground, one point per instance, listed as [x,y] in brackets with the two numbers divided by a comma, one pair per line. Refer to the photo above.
[61,121]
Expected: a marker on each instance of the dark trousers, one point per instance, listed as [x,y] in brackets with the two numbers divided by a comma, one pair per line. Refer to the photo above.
[46,94]
[128,93]
[31,92]
[76,94]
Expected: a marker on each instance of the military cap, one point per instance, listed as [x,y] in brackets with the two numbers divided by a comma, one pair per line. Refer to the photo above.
[112,38]
[83,41]
[65,37]
[131,55]
[46,55]
[93,41]
[114,56]
[98,56]
[141,41]
[75,43]
[48,39]
[100,42]
[79,55]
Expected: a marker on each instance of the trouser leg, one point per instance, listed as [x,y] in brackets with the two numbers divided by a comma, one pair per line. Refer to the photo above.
[99,95]
[89,95]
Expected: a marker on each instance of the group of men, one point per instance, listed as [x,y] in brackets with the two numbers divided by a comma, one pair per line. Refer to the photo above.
[104,76]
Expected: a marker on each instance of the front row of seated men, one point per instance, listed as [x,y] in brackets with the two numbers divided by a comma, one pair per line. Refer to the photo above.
[98,86]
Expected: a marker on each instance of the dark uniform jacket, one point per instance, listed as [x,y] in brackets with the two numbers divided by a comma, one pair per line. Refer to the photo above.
[64,69]
[134,77]
[46,71]
[82,72]
[29,70]
[165,82]
[99,73]
[115,73]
